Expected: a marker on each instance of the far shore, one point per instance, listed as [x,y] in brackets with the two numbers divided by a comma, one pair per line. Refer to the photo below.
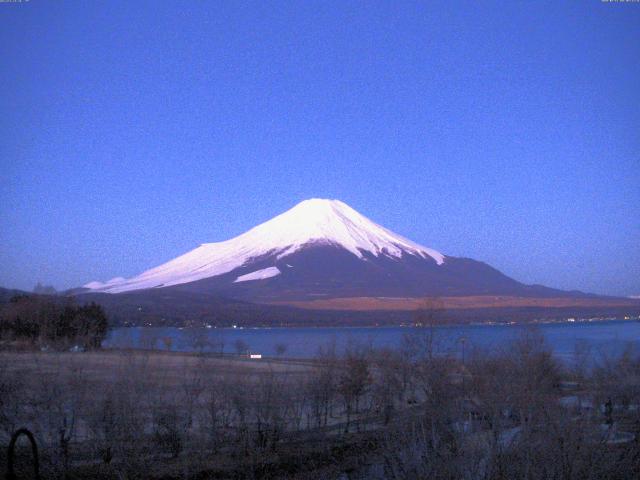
[546,321]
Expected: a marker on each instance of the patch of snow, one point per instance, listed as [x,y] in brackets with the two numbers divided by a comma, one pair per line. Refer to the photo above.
[258,275]
[330,222]
[98,285]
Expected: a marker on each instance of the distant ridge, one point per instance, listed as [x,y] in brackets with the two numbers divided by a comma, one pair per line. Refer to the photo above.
[7,293]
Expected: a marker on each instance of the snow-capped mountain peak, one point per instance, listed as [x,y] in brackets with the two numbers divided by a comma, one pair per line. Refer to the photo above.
[314,221]
[332,221]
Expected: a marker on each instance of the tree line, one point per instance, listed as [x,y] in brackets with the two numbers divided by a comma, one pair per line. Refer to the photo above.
[50,322]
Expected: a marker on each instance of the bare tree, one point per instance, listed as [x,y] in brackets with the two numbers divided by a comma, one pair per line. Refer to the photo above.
[241,347]
[353,382]
[420,342]
[217,342]
[198,339]
[280,348]
[148,339]
[168,343]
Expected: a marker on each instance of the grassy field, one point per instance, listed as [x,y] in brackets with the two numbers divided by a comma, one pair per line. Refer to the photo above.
[160,366]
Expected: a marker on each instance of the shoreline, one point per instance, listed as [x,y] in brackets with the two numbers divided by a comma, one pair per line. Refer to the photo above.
[360,327]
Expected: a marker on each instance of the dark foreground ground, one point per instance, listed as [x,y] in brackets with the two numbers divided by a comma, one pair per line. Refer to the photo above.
[370,414]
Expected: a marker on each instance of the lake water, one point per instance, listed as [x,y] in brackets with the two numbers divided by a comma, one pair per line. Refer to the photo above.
[600,338]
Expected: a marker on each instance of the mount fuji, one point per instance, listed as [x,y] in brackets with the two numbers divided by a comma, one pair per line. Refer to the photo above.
[322,249]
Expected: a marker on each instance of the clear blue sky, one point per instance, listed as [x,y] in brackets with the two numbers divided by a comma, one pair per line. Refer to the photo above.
[509,132]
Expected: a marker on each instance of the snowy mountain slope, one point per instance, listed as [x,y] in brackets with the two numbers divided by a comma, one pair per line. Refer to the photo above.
[314,222]
[258,275]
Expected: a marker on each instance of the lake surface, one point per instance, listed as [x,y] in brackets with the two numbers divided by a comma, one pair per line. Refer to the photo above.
[602,338]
